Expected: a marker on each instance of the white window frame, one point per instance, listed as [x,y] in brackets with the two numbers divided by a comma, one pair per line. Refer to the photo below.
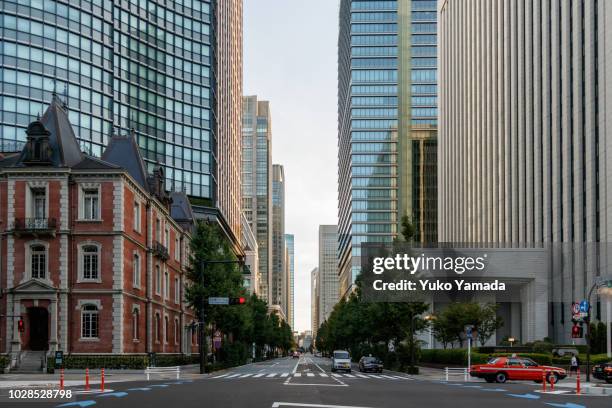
[177,291]
[137,215]
[158,228]
[177,249]
[28,250]
[158,279]
[84,190]
[166,284]
[167,238]
[96,313]
[81,262]
[157,323]
[31,188]
[136,324]
[136,270]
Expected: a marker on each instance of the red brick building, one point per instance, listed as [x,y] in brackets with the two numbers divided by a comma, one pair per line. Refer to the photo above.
[93,250]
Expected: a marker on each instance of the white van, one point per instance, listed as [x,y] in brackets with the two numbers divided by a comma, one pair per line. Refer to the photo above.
[341,360]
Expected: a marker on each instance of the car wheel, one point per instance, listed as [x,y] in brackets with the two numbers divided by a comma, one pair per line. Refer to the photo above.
[333,370]
[552,378]
[490,379]
[348,371]
[501,377]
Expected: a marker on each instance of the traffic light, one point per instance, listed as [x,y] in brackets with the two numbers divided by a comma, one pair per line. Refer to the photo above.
[577,332]
[237,301]
[20,325]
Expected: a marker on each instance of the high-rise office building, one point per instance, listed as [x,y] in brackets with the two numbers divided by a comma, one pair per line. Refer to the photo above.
[314,302]
[387,114]
[257,183]
[525,125]
[290,267]
[279,276]
[171,71]
[328,270]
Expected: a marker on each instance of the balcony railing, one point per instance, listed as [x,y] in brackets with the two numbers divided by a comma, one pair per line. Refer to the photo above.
[160,251]
[35,226]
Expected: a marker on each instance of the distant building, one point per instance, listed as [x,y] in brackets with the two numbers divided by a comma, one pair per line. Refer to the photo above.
[290,267]
[257,183]
[279,276]
[328,271]
[95,259]
[314,301]
[251,257]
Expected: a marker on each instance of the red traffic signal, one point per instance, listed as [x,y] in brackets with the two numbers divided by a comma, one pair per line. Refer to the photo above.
[577,332]
[20,325]
[237,301]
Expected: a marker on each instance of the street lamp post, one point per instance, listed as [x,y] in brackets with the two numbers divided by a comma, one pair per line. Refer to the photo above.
[201,343]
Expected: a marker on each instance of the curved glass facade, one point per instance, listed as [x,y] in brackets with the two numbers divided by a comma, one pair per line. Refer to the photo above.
[119,64]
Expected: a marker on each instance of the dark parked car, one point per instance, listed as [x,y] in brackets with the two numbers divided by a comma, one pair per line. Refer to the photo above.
[371,364]
[603,372]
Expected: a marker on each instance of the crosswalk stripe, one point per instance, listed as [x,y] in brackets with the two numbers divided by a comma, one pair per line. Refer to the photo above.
[285,375]
[361,376]
[336,375]
[221,376]
[258,375]
[374,376]
[271,375]
[310,374]
[399,377]
[233,375]
[323,375]
[297,374]
[388,376]
[246,375]
[349,375]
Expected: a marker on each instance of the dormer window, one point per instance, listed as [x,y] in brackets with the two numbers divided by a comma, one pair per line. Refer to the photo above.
[37,149]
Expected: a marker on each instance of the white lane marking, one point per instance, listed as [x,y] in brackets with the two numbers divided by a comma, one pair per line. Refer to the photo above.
[258,375]
[374,376]
[285,375]
[296,365]
[388,376]
[271,375]
[323,375]
[293,404]
[318,366]
[361,375]
[221,376]
[233,375]
[246,375]
[310,374]
[316,385]
[349,375]
[336,375]
[399,377]
[297,374]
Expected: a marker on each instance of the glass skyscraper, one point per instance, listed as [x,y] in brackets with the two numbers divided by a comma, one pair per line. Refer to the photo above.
[290,267]
[146,65]
[387,124]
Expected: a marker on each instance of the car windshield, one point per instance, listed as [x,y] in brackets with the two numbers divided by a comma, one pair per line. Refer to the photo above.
[341,355]
[529,363]
[494,360]
[370,360]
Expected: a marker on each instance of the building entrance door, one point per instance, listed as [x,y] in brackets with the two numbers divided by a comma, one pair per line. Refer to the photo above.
[39,328]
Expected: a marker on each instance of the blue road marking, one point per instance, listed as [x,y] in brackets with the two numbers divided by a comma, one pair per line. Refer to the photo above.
[566,405]
[525,396]
[139,389]
[82,404]
[159,385]
[113,394]
[493,389]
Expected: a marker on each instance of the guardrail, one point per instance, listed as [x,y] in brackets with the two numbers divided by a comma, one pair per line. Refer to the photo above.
[449,372]
[163,371]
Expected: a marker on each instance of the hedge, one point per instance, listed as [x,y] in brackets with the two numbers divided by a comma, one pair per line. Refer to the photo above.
[459,357]
[4,362]
[595,359]
[135,362]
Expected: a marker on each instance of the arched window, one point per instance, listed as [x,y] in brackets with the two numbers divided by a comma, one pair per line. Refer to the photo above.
[91,264]
[89,322]
[135,321]
[38,261]
[157,328]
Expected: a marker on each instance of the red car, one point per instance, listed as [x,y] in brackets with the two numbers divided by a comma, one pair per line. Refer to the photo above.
[501,369]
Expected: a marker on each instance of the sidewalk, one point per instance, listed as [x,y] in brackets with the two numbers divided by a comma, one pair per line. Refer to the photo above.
[77,377]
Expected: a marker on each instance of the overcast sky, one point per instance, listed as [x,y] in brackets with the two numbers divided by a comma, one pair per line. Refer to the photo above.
[290,49]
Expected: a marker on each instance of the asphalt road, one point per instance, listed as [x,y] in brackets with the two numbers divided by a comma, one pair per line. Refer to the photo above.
[308,382]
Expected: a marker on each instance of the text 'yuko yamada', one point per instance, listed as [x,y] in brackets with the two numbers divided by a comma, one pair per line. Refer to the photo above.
[439,286]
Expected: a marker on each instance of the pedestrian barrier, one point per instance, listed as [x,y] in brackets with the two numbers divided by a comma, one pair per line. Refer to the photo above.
[87,379]
[61,378]
[578,383]
[163,371]
[449,372]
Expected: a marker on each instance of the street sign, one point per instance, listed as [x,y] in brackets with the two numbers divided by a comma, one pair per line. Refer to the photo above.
[391,346]
[218,301]
[59,359]
[580,311]
[468,331]
[584,306]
